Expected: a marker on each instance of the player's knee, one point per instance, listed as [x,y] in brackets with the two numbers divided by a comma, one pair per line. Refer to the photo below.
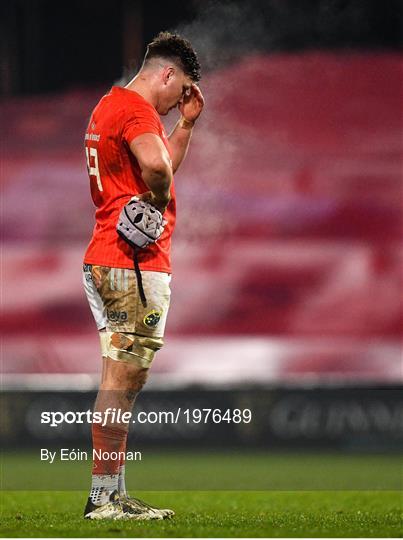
[134,349]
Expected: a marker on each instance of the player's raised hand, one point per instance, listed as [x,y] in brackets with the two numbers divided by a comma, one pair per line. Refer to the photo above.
[192,104]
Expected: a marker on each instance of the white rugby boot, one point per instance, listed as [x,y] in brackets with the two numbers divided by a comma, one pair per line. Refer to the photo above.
[115,509]
[143,507]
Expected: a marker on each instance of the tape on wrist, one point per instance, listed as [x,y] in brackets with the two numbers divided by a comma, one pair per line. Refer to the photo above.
[186,124]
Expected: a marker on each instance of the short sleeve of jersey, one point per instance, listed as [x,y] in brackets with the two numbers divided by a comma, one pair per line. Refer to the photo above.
[140,121]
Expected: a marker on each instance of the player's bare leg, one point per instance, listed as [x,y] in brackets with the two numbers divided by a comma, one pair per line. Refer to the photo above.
[131,380]
[120,385]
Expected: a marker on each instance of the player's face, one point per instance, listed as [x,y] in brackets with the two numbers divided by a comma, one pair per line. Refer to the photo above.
[176,86]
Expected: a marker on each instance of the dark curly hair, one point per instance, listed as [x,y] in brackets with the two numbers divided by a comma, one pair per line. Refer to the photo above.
[177,49]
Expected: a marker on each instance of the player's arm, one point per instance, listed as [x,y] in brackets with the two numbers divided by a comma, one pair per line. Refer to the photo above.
[156,168]
[179,139]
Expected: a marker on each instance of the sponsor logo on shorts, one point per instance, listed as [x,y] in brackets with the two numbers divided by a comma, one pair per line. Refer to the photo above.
[87,272]
[153,318]
[116,316]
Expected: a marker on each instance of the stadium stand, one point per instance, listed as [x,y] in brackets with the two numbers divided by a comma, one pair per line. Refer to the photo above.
[287,253]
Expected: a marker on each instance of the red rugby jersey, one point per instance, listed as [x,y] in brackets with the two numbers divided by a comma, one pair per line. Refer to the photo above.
[115,176]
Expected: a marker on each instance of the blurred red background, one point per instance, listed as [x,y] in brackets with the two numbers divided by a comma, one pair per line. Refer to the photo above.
[287,255]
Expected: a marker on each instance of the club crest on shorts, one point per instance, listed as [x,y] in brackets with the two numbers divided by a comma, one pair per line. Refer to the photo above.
[152,319]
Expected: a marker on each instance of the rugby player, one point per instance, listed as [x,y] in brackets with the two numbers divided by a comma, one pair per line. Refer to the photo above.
[129,154]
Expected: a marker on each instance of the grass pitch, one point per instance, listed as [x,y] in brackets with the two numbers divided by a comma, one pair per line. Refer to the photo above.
[214,513]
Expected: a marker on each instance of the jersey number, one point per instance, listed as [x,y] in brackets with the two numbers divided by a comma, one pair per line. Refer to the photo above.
[93,170]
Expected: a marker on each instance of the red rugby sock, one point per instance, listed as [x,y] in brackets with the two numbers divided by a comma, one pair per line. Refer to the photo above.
[107,443]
